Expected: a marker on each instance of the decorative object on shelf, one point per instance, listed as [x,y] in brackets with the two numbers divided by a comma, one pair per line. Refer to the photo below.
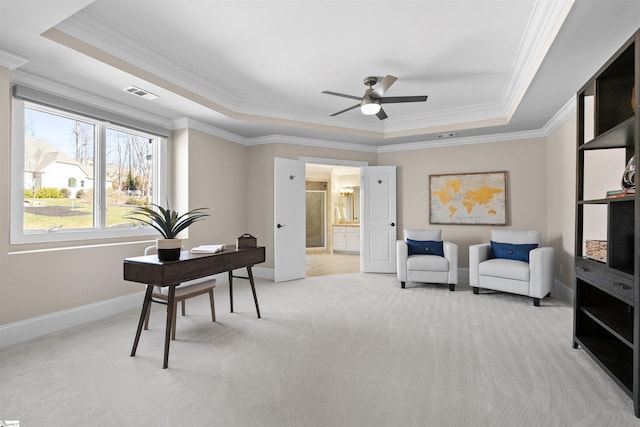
[596,249]
[471,198]
[169,224]
[622,192]
[629,176]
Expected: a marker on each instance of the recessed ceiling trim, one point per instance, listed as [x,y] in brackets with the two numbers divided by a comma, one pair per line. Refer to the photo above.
[30,80]
[544,24]
[311,142]
[11,60]
[84,30]
[469,140]
[561,116]
[187,123]
[107,58]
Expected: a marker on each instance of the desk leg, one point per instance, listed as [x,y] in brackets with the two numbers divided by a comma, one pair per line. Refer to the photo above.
[145,308]
[231,289]
[253,289]
[167,334]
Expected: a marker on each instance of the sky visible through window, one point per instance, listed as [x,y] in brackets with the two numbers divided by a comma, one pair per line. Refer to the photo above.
[55,130]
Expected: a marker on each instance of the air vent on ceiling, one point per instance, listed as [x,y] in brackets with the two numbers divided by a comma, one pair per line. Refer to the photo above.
[140,92]
[446,135]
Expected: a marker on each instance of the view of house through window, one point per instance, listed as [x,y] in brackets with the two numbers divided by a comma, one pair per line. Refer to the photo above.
[65,179]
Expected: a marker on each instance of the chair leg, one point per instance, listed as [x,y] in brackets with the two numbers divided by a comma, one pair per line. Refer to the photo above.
[452,287]
[182,303]
[476,290]
[402,284]
[213,307]
[536,302]
[173,322]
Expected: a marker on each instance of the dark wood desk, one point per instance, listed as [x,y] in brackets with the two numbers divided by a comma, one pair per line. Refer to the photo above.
[153,272]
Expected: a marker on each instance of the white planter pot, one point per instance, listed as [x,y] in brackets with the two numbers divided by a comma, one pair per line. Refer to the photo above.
[169,249]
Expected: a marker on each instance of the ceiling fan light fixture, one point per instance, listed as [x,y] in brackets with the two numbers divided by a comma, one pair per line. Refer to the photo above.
[369,106]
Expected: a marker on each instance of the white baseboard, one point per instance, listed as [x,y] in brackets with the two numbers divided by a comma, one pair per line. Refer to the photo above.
[35,327]
[562,291]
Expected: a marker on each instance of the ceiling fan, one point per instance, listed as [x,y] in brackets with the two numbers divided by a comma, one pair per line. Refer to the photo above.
[370,102]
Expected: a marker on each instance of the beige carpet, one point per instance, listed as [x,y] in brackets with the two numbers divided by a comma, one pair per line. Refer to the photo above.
[347,350]
[322,264]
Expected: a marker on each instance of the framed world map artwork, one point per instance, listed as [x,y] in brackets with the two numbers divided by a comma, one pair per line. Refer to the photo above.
[470,198]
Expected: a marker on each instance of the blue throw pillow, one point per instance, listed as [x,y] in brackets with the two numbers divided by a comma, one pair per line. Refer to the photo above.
[425,247]
[519,252]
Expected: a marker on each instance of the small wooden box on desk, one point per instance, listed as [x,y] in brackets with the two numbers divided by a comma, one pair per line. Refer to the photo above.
[246,241]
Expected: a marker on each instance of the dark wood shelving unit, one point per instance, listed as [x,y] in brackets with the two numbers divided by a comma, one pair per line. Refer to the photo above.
[613,357]
[606,322]
[618,323]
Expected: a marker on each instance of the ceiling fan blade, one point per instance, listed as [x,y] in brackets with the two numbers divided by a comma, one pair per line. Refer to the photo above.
[396,99]
[381,114]
[345,110]
[342,95]
[384,85]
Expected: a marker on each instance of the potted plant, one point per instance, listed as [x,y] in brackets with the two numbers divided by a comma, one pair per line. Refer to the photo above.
[169,223]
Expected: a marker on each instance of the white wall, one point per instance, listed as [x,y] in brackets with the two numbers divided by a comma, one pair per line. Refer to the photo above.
[561,196]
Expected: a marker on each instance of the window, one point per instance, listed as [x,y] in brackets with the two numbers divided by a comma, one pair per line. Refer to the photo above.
[75,176]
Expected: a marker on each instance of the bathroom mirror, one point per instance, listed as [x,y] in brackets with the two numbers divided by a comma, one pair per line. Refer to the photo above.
[349,205]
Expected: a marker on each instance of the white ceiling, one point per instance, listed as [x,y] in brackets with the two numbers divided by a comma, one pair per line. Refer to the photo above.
[254,70]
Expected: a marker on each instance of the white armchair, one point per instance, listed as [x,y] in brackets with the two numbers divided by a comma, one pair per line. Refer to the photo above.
[513,262]
[430,260]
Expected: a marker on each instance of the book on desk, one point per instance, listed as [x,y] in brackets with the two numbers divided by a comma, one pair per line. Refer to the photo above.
[207,249]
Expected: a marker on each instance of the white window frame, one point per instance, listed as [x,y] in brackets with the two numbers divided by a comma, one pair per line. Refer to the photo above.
[20,236]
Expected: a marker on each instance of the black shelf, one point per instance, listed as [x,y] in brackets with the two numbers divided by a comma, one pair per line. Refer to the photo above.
[618,323]
[613,357]
[629,198]
[620,136]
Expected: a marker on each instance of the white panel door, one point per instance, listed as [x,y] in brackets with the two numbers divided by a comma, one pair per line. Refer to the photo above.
[289,220]
[378,224]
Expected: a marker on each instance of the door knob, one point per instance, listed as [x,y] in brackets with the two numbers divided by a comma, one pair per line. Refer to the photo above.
[393,224]
[280,225]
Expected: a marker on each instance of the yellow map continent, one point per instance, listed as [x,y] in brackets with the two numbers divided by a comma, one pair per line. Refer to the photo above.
[481,196]
[448,191]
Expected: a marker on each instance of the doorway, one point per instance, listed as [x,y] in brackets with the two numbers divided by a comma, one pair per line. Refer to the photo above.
[333,219]
[374,232]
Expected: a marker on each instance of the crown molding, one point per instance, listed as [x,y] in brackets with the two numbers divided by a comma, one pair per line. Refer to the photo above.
[94,31]
[452,119]
[36,82]
[11,61]
[560,117]
[469,140]
[543,27]
[556,121]
[544,23]
[26,79]
[311,142]
[187,123]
